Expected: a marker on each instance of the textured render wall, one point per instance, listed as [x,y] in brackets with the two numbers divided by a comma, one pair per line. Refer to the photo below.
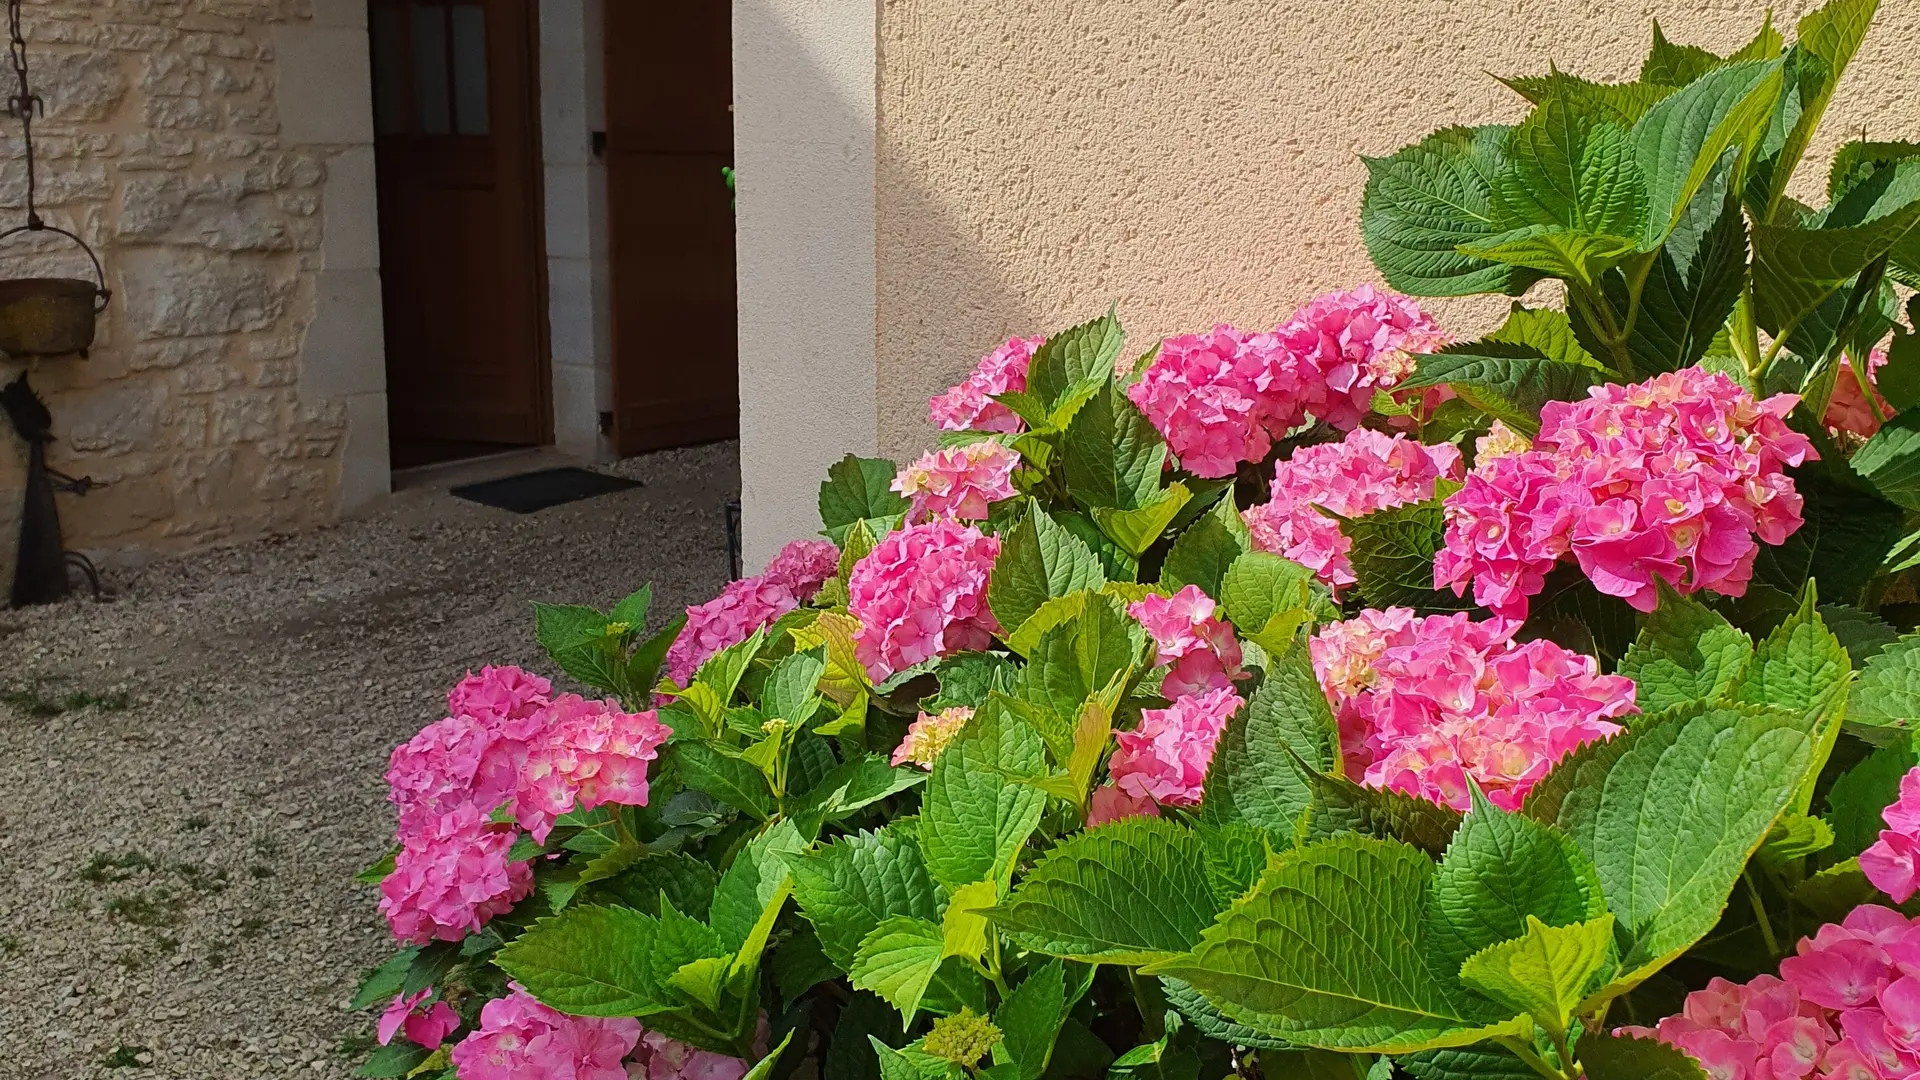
[803,86]
[199,145]
[1196,160]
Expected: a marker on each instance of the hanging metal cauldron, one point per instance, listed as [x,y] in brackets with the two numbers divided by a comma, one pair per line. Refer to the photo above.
[43,316]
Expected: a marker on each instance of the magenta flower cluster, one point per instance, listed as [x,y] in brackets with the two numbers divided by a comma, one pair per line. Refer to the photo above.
[744,606]
[959,482]
[1189,634]
[1425,703]
[1222,397]
[521,1039]
[1892,862]
[423,1020]
[1845,1006]
[1165,757]
[1670,479]
[1364,473]
[504,742]
[922,593]
[970,405]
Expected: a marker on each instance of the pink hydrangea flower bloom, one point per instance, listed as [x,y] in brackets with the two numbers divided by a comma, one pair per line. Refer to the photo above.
[471,756]
[1109,804]
[742,607]
[1165,758]
[1424,703]
[970,405]
[929,734]
[450,878]
[1499,441]
[1189,634]
[1841,1008]
[1892,863]
[1848,409]
[803,566]
[590,752]
[921,593]
[428,1027]
[958,482]
[1346,345]
[1218,397]
[1364,473]
[660,1058]
[521,1039]
[1670,479]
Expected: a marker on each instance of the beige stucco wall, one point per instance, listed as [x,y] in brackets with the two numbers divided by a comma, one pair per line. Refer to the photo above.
[1197,160]
[217,154]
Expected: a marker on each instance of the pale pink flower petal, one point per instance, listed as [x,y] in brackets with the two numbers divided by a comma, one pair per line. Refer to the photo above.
[922,593]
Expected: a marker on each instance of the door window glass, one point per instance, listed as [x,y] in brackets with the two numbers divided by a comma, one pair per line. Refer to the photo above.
[470,68]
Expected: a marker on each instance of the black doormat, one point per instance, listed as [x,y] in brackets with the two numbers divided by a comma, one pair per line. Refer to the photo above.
[538,490]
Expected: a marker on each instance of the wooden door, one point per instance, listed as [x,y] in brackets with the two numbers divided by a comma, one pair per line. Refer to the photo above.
[462,253]
[669,94]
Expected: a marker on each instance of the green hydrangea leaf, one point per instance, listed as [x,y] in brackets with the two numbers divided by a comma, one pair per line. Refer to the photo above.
[1329,951]
[1252,778]
[1669,812]
[1512,379]
[1269,598]
[1424,203]
[1568,168]
[1859,795]
[1795,270]
[974,817]
[848,787]
[1848,533]
[1214,1024]
[1679,142]
[1862,633]
[847,887]
[1392,558]
[1138,529]
[1038,560]
[756,882]
[897,960]
[1465,1063]
[1608,1057]
[1075,358]
[1342,806]
[1827,37]
[1686,652]
[592,961]
[709,768]
[1079,658]
[1545,972]
[1126,893]
[1500,871]
[1887,701]
[1695,279]
[1112,456]
[1206,550]
[858,488]
[1029,1020]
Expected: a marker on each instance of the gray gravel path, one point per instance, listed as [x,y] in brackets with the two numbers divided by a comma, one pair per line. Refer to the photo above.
[177,858]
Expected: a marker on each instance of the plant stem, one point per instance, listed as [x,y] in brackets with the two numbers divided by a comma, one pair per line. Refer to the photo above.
[1534,1061]
[1760,915]
[1147,998]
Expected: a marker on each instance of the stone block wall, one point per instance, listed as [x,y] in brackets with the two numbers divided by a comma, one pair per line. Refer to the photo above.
[231,210]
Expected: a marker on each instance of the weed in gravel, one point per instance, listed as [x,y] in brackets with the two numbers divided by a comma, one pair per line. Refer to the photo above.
[147,907]
[31,703]
[104,868]
[266,847]
[251,926]
[11,945]
[259,872]
[217,955]
[200,879]
[131,959]
[195,823]
[128,1057]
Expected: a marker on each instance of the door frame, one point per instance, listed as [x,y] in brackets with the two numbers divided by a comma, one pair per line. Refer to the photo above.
[526,37]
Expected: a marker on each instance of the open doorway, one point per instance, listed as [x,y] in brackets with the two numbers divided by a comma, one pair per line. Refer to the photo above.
[456,139]
[669,106]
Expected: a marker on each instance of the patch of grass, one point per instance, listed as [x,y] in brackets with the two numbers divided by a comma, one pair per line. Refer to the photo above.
[200,879]
[217,955]
[104,868]
[166,944]
[266,847]
[148,907]
[355,1044]
[259,873]
[131,959]
[251,926]
[126,1057]
[195,823]
[11,945]
[32,703]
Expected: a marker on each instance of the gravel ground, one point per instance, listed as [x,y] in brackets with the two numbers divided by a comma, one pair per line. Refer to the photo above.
[193,771]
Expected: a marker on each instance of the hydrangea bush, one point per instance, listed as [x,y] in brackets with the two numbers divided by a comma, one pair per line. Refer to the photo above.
[1339,700]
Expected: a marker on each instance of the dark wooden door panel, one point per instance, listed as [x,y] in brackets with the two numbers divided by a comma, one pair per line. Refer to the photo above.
[457,143]
[669,133]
